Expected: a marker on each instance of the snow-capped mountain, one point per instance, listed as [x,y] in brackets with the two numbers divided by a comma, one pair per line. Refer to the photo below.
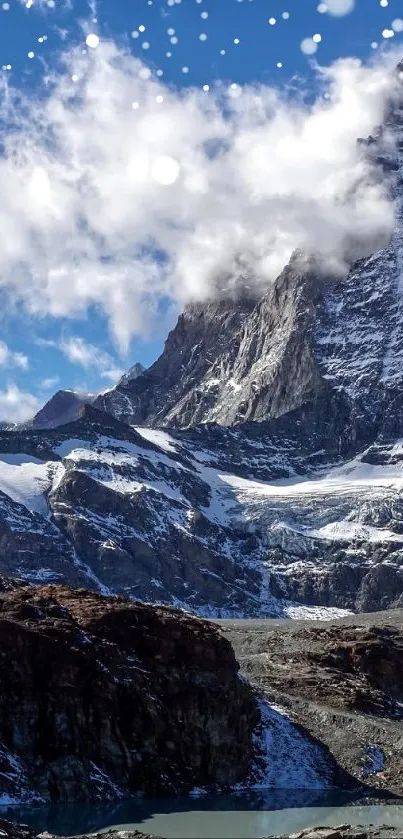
[220,521]
[313,340]
[258,464]
[132,373]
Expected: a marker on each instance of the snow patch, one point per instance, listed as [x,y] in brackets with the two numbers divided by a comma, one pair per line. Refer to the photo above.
[159,438]
[286,759]
[314,613]
[26,480]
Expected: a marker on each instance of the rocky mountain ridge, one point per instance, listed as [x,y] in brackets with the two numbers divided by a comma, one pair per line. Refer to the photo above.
[218,521]
[66,405]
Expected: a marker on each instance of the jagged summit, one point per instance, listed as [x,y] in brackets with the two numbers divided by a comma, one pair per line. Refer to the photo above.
[132,373]
[66,405]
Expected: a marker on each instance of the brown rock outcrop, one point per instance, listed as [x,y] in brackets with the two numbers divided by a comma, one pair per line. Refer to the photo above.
[102,697]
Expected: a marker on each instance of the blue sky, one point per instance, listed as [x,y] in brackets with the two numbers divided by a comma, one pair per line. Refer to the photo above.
[54,335]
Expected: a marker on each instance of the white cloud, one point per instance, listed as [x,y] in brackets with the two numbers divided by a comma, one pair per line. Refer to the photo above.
[8,358]
[87,219]
[79,351]
[50,383]
[16,405]
[113,374]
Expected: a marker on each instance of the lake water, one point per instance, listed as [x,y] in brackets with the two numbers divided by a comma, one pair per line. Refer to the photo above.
[249,815]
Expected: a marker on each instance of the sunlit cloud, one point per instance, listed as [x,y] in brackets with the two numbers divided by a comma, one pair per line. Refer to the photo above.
[8,358]
[338,8]
[17,405]
[119,207]
[81,352]
[50,383]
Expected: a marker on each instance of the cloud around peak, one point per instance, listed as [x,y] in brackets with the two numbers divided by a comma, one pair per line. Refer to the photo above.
[81,352]
[121,192]
[17,405]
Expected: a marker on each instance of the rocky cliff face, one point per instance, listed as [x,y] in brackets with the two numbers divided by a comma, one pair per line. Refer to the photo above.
[102,698]
[181,388]
[228,361]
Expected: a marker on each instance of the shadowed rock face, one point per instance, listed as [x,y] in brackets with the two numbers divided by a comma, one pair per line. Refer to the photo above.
[102,698]
[65,406]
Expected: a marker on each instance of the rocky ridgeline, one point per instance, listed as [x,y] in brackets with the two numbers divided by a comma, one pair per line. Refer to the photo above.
[346,831]
[17,831]
[101,698]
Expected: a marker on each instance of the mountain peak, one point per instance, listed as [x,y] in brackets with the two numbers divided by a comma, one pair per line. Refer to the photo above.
[63,407]
[132,373]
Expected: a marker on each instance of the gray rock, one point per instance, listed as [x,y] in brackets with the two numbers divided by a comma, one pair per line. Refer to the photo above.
[64,407]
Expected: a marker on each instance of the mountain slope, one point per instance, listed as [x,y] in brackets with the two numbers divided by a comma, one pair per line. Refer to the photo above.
[223,522]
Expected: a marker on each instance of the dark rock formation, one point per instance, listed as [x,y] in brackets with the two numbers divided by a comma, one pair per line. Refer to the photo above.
[102,698]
